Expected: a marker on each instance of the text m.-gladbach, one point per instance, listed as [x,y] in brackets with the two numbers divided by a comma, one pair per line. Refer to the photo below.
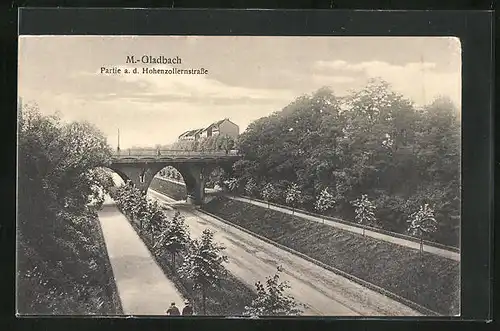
[149,59]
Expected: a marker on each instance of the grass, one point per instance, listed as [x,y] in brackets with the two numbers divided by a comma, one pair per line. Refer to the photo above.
[178,192]
[63,269]
[228,299]
[432,282]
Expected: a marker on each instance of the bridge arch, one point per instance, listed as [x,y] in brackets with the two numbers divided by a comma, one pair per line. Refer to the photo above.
[194,168]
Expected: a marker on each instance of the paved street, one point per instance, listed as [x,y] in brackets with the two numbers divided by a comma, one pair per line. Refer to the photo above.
[142,286]
[324,292]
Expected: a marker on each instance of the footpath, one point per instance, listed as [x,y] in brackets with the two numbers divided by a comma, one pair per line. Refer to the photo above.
[377,235]
[399,241]
[142,286]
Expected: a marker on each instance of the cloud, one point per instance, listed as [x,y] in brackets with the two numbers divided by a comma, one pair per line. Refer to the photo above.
[189,87]
[326,79]
[420,81]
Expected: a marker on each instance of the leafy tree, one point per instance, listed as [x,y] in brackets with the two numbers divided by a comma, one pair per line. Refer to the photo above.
[365,211]
[250,187]
[325,201]
[269,193]
[271,299]
[140,210]
[204,264]
[232,184]
[365,143]
[156,219]
[216,177]
[174,238]
[422,222]
[293,195]
[60,163]
[225,143]
[60,176]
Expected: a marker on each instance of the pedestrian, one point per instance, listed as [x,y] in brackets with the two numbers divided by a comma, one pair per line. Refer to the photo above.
[188,309]
[173,310]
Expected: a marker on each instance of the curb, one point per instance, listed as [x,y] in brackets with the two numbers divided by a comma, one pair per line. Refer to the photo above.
[360,281]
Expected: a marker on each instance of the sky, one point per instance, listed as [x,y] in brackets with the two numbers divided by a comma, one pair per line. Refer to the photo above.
[248,77]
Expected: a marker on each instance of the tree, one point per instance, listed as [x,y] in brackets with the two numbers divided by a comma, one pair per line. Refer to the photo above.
[231,184]
[293,195]
[59,164]
[364,142]
[156,220]
[269,193]
[325,201]
[271,299]
[60,175]
[250,187]
[365,211]
[174,238]
[141,211]
[422,222]
[203,264]
[225,143]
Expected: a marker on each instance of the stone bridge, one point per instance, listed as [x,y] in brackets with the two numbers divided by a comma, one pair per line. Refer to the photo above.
[140,167]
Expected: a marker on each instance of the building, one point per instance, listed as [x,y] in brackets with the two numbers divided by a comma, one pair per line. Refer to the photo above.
[190,135]
[224,127]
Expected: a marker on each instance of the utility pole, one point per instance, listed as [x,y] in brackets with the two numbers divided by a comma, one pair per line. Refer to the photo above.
[423,75]
[118,147]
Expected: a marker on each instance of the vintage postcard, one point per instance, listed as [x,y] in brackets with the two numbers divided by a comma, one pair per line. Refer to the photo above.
[239,176]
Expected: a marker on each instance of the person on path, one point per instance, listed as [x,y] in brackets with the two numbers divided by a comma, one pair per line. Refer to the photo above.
[188,309]
[173,310]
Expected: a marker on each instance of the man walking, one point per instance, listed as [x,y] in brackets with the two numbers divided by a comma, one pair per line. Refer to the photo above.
[173,310]
[188,309]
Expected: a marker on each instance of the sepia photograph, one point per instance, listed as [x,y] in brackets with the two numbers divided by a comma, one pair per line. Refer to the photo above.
[245,176]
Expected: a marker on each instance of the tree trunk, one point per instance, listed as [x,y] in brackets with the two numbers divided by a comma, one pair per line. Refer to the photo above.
[173,262]
[363,232]
[268,204]
[421,247]
[204,299]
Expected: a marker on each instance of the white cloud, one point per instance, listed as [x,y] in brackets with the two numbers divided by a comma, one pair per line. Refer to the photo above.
[417,80]
[326,80]
[201,86]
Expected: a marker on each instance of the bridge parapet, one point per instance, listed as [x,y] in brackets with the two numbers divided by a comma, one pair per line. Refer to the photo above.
[171,153]
[173,156]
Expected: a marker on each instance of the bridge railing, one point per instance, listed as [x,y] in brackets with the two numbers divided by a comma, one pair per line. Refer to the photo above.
[170,152]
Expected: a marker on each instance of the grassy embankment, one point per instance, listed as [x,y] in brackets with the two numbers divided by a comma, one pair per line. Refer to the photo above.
[63,269]
[177,192]
[432,282]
